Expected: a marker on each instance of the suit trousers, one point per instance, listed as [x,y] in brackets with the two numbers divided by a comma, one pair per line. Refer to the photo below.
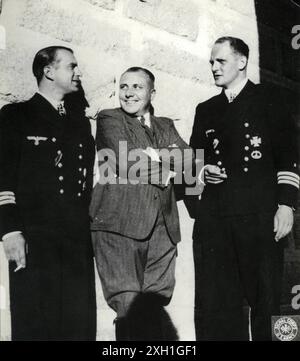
[236,259]
[129,267]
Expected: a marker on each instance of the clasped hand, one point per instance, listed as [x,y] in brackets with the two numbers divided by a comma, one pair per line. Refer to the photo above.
[213,174]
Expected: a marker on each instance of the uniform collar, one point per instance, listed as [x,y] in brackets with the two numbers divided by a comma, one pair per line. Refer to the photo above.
[235,91]
[50,100]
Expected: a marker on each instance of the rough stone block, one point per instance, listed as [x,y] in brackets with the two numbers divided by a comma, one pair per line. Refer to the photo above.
[101,73]
[244,7]
[177,16]
[70,25]
[224,23]
[107,4]
[16,80]
[179,63]
[178,98]
[101,98]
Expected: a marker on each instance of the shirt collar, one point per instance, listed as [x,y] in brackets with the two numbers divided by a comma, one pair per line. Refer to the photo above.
[147,119]
[236,90]
[52,101]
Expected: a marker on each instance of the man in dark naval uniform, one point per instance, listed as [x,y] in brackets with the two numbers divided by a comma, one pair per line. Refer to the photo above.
[46,165]
[246,208]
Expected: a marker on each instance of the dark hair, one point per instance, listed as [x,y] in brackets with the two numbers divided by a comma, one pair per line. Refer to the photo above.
[45,57]
[238,45]
[135,69]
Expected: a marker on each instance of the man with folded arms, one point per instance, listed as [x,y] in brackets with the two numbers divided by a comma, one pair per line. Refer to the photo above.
[135,227]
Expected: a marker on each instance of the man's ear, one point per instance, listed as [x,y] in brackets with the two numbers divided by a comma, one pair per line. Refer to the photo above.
[153,92]
[48,72]
[243,61]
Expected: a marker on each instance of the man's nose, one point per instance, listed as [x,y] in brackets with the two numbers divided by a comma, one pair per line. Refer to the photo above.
[214,66]
[77,71]
[129,93]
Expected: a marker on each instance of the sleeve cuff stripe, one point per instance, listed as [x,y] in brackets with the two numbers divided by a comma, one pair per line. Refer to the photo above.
[288,178]
[7,193]
[4,201]
[295,184]
[7,197]
[7,202]
[290,174]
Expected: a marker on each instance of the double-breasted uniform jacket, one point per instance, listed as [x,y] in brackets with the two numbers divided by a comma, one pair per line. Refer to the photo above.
[132,209]
[252,139]
[46,167]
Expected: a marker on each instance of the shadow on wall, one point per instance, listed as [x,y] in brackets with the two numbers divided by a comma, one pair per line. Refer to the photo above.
[77,102]
[280,67]
[278,58]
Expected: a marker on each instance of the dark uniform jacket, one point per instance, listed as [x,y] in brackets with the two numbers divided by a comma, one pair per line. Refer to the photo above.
[132,209]
[46,164]
[253,139]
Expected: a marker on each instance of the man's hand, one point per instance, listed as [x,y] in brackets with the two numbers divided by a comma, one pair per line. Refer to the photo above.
[14,248]
[152,154]
[167,177]
[213,174]
[283,221]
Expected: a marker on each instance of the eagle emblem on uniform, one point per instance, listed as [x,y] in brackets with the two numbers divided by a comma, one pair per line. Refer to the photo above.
[36,139]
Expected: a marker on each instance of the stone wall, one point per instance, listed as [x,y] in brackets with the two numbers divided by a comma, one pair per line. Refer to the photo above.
[170,37]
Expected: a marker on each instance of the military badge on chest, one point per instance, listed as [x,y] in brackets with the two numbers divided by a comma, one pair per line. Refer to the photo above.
[36,139]
[256,141]
[215,142]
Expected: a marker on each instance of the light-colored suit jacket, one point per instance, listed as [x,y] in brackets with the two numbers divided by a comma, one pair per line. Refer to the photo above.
[132,209]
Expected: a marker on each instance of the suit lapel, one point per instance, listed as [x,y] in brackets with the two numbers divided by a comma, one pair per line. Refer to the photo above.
[133,129]
[161,132]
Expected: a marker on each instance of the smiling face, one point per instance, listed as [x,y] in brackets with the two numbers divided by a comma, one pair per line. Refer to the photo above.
[136,92]
[64,72]
[228,67]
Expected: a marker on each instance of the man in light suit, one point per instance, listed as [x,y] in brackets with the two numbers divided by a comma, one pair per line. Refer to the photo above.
[135,221]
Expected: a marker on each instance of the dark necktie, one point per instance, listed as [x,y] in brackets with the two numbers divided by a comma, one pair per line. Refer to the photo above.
[147,129]
[142,120]
[232,96]
[61,109]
